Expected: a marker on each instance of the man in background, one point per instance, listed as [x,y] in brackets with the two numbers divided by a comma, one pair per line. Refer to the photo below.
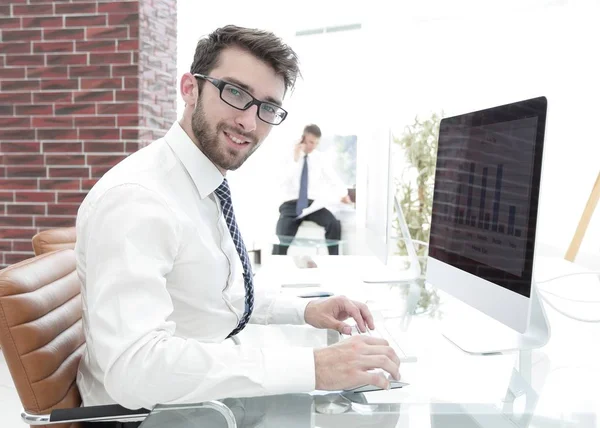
[310,177]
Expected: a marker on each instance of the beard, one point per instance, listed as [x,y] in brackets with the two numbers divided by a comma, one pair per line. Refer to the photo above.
[224,157]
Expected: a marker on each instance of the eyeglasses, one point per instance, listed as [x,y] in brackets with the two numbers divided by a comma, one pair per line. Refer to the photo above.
[238,98]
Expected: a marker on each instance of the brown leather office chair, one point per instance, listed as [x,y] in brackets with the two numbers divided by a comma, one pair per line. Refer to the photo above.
[41,336]
[53,239]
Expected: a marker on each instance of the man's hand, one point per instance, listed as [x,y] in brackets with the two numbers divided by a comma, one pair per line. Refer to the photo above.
[346,200]
[332,312]
[347,364]
[298,151]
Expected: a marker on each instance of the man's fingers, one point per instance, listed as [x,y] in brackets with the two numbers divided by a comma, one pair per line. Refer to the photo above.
[383,350]
[376,379]
[371,362]
[355,313]
[366,314]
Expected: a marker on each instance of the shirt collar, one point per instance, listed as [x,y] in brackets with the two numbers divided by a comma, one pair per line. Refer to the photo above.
[204,173]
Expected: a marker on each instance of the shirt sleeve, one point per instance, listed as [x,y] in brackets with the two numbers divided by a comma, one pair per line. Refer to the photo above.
[131,240]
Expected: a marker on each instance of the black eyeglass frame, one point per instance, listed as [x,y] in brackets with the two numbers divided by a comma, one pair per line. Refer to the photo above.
[220,85]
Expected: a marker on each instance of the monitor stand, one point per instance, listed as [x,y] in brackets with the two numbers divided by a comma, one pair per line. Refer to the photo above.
[498,338]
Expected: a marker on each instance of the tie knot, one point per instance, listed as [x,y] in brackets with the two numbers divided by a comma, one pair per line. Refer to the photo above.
[223,191]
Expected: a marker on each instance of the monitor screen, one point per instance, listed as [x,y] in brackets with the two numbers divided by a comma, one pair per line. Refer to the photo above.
[486,192]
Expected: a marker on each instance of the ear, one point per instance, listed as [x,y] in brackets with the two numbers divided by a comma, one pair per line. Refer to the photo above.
[189,89]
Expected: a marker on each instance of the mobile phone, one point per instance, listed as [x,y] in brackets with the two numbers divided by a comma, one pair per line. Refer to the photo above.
[369,388]
[316,294]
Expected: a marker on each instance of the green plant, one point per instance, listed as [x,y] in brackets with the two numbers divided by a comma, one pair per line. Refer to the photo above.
[414,188]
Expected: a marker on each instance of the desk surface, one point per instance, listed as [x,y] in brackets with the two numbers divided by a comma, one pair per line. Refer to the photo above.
[555,386]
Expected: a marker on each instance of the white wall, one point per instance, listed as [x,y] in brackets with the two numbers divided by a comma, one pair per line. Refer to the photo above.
[431,55]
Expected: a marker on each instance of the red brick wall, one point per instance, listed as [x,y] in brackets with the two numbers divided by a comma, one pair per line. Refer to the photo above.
[82,85]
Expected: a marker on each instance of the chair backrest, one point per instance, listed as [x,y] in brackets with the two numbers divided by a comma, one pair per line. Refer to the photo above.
[41,332]
[53,239]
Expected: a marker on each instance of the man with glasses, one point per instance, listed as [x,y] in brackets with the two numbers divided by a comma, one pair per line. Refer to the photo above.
[165,274]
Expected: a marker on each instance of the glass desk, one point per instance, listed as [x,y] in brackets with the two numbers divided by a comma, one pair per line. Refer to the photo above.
[555,386]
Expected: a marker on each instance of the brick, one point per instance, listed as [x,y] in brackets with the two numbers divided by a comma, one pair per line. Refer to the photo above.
[54,184]
[103,147]
[12,73]
[12,258]
[20,209]
[87,184]
[20,85]
[17,134]
[43,22]
[15,122]
[110,58]
[15,60]
[34,109]
[104,160]
[96,46]
[125,70]
[128,45]
[17,183]
[67,221]
[94,83]
[72,109]
[16,97]
[63,209]
[85,21]
[127,95]
[52,122]
[25,171]
[45,47]
[69,172]
[66,59]
[71,197]
[23,246]
[124,18]
[69,159]
[57,134]
[59,84]
[7,197]
[93,96]
[12,233]
[99,171]
[6,110]
[64,34]
[132,82]
[134,32]
[19,146]
[118,108]
[47,72]
[95,121]
[33,9]
[10,23]
[20,159]
[99,134]
[48,97]
[15,48]
[62,147]
[128,120]
[111,33]
[75,8]
[16,221]
[89,70]
[119,7]
[20,35]
[35,196]
[130,134]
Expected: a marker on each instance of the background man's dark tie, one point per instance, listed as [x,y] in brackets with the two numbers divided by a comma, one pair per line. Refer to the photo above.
[303,195]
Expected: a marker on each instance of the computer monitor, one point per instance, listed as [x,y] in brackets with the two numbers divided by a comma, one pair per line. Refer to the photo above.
[483,225]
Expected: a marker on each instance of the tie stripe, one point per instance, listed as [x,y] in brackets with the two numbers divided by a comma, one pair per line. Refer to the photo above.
[224,194]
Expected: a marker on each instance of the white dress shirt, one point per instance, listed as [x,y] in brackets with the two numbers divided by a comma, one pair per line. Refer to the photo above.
[323,182]
[162,288]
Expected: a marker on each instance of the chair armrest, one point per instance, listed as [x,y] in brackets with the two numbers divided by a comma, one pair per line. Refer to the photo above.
[112,412]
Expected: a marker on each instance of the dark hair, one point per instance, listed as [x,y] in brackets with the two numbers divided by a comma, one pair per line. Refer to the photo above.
[312,129]
[262,44]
